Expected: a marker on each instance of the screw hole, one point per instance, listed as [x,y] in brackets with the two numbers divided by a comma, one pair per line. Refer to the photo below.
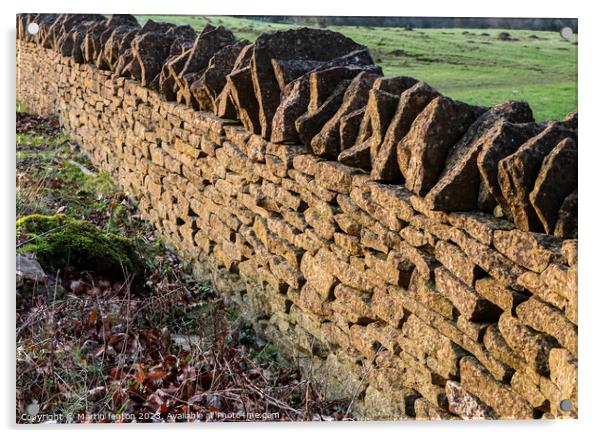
[33,28]
[566,33]
[566,405]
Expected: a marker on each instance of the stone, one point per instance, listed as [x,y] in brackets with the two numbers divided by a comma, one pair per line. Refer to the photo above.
[495,343]
[327,142]
[382,104]
[505,403]
[347,274]
[534,251]
[388,306]
[393,270]
[91,44]
[380,109]
[323,81]
[566,224]
[465,405]
[503,297]
[438,127]
[545,318]
[459,183]
[564,375]
[571,120]
[424,262]
[279,229]
[224,103]
[213,80]
[479,225]
[534,348]
[293,104]
[423,341]
[284,271]
[295,44]
[470,304]
[396,198]
[423,291]
[149,52]
[518,172]
[183,89]
[357,156]
[207,43]
[556,180]
[47,23]
[312,122]
[495,264]
[113,46]
[66,42]
[569,251]
[154,26]
[457,262]
[307,164]
[534,284]
[353,304]
[350,243]
[243,97]
[335,176]
[524,384]
[287,70]
[171,69]
[309,300]
[501,141]
[425,410]
[385,162]
[349,127]
[122,19]
[124,65]
[29,271]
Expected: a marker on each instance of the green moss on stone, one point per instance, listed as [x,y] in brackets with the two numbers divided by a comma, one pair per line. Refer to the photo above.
[36,224]
[80,245]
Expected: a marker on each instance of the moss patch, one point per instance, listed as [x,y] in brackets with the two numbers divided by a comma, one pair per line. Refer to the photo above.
[80,245]
[36,224]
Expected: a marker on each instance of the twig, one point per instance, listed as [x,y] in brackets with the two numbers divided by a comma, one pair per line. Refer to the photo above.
[365,375]
[45,233]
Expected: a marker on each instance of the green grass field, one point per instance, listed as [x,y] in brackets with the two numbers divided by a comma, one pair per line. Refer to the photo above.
[472,65]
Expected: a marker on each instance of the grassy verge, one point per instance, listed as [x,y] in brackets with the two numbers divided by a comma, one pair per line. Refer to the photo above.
[93,349]
[474,65]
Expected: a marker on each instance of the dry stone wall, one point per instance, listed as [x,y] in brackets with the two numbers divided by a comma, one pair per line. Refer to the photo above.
[409,310]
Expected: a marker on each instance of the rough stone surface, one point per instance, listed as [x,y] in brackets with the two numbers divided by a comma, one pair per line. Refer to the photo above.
[459,183]
[531,250]
[556,180]
[465,405]
[312,122]
[207,43]
[470,304]
[518,172]
[356,156]
[327,142]
[149,52]
[438,127]
[299,44]
[213,80]
[566,224]
[504,402]
[386,162]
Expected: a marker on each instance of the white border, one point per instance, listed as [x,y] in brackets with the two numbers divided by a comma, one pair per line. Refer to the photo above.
[590,408]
